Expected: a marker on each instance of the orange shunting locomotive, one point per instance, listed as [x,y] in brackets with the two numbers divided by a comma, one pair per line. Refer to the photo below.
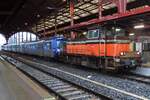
[105,48]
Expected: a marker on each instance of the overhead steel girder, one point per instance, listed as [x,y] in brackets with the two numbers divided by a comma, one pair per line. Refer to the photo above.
[121,5]
[107,18]
[113,17]
[61,13]
[71,7]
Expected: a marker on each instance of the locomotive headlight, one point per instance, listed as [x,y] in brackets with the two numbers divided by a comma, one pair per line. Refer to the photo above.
[122,53]
[58,50]
[138,53]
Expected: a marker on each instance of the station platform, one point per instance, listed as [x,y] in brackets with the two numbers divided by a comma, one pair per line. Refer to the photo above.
[14,85]
[146,65]
[144,71]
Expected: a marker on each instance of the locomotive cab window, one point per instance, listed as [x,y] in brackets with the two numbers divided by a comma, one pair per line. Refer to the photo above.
[115,31]
[93,34]
[119,32]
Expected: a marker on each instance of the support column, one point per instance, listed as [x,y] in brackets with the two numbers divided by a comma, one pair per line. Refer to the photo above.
[26,36]
[55,23]
[16,38]
[30,37]
[19,38]
[100,8]
[72,12]
[36,31]
[22,37]
[44,27]
[7,38]
[121,4]
[73,35]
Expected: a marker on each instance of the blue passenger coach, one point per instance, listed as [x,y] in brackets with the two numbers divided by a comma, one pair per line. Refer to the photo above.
[52,47]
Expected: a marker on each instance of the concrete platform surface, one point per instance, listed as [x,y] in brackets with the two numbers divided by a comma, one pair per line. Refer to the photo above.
[9,87]
[142,71]
[5,94]
[146,64]
[12,87]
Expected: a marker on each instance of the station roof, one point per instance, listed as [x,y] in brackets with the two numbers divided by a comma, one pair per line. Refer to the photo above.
[16,15]
[31,15]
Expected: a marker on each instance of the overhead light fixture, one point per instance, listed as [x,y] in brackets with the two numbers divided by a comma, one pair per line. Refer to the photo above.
[38,16]
[131,34]
[46,22]
[26,23]
[139,26]
[118,29]
[51,8]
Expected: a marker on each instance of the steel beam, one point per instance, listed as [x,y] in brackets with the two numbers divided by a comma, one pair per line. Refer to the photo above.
[44,27]
[26,36]
[16,38]
[19,38]
[121,5]
[72,17]
[72,12]
[22,37]
[36,30]
[55,23]
[100,8]
[107,18]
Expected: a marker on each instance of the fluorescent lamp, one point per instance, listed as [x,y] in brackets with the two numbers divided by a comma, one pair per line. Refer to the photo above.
[118,29]
[139,26]
[131,34]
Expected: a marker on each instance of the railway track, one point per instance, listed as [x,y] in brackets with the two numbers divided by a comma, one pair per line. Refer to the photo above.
[64,90]
[138,78]
[96,87]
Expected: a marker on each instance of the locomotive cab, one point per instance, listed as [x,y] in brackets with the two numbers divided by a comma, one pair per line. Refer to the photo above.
[57,45]
[125,57]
